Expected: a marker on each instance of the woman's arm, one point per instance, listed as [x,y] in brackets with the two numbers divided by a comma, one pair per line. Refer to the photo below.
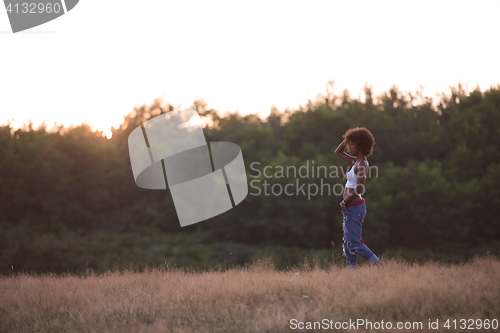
[340,153]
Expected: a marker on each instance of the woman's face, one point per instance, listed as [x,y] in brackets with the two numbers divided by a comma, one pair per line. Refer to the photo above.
[352,148]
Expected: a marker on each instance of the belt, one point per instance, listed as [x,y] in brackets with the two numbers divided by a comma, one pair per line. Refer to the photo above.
[354,203]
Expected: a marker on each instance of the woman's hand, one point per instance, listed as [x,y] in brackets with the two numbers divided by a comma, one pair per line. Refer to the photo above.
[340,153]
[342,205]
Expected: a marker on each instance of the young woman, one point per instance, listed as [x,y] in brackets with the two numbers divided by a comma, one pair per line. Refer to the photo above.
[359,142]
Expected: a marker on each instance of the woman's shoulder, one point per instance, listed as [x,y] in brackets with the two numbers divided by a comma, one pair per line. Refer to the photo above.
[362,166]
[362,163]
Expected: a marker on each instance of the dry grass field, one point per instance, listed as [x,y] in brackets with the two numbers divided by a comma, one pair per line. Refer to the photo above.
[258,299]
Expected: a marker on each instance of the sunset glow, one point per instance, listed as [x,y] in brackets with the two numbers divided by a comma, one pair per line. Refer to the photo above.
[239,57]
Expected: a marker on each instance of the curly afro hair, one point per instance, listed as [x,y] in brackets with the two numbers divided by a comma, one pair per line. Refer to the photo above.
[363,138]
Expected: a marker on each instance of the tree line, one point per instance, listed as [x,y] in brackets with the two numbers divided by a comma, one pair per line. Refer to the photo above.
[69,201]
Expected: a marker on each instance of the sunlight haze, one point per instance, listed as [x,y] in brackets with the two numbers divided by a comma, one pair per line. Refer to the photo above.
[105,57]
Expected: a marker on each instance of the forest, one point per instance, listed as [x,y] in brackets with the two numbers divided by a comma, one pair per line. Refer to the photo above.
[69,202]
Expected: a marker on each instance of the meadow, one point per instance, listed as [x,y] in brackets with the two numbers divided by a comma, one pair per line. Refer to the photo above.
[259,298]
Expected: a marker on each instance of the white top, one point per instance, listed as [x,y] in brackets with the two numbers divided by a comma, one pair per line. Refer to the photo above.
[352,179]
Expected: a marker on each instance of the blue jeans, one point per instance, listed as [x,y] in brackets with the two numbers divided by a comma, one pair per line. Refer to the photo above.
[352,246]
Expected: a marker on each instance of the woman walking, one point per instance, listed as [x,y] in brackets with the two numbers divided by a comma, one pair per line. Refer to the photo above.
[359,142]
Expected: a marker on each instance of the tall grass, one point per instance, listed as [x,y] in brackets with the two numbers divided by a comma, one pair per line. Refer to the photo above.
[254,298]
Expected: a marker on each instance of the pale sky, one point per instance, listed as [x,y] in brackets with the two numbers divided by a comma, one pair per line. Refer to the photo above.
[104,57]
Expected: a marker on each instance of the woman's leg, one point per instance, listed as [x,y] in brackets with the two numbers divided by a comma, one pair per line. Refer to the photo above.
[351,258]
[353,221]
